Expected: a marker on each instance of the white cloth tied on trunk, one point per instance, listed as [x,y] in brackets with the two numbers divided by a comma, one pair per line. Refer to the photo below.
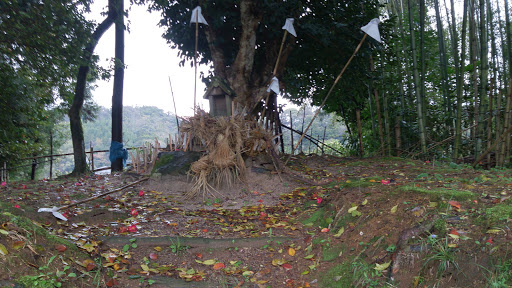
[274,85]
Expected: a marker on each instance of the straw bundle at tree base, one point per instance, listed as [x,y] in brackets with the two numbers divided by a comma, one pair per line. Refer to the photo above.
[226,142]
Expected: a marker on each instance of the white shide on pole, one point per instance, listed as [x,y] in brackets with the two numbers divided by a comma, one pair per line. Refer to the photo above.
[197,18]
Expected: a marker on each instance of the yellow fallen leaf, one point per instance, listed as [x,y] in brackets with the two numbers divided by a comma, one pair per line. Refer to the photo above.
[352,209]
[158,248]
[393,210]
[3,232]
[493,231]
[144,267]
[454,236]
[278,262]
[209,262]
[381,267]
[365,202]
[3,250]
[291,251]
[338,234]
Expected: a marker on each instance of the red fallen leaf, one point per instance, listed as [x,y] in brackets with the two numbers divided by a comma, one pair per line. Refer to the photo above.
[60,247]
[17,206]
[122,229]
[112,282]
[324,230]
[454,204]
[153,256]
[261,201]
[204,230]
[134,212]
[489,241]
[453,231]
[199,255]
[141,193]
[475,201]
[102,187]
[319,200]
[90,266]
[385,182]
[4,183]
[255,192]
[132,228]
[308,239]
[218,266]
[287,266]
[108,198]
[24,187]
[78,184]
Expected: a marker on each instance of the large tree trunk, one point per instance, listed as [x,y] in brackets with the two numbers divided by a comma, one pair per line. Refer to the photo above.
[117,98]
[248,84]
[75,111]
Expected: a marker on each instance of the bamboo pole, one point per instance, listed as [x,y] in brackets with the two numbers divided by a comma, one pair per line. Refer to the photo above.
[328,94]
[102,194]
[175,111]
[195,61]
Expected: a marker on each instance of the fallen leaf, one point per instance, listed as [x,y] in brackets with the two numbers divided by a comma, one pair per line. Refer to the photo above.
[141,193]
[134,212]
[393,210]
[324,230]
[218,266]
[385,182]
[278,262]
[153,256]
[493,231]
[381,267]
[18,245]
[489,240]
[3,250]
[158,248]
[287,266]
[60,247]
[352,209]
[112,282]
[454,231]
[454,204]
[132,228]
[4,232]
[338,234]
[209,262]
[365,202]
[291,251]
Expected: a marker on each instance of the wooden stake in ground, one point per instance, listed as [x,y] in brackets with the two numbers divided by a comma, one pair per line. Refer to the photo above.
[175,112]
[371,29]
[55,210]
[197,18]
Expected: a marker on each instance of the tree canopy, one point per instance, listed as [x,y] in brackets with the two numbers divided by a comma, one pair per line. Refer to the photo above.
[41,47]
[243,38]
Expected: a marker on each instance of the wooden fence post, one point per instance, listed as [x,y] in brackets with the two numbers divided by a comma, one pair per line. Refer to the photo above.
[291,130]
[92,156]
[34,166]
[51,155]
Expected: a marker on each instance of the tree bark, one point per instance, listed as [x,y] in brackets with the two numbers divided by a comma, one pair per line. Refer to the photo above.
[75,111]
[117,97]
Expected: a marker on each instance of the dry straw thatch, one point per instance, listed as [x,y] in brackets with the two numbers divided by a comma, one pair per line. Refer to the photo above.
[226,142]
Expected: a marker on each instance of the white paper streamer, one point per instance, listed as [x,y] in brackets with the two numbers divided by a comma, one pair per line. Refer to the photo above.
[372,29]
[274,85]
[288,26]
[54,211]
[196,15]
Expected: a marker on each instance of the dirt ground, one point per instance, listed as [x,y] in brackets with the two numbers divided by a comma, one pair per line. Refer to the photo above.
[366,223]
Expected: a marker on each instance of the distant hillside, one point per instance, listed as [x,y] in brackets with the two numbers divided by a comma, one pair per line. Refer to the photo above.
[144,124]
[140,125]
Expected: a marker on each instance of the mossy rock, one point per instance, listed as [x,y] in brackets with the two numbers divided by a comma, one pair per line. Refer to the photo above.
[175,162]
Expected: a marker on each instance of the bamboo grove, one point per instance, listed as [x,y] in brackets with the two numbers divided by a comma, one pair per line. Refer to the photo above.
[440,86]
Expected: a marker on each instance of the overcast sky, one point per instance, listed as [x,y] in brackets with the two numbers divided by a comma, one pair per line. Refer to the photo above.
[150,61]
